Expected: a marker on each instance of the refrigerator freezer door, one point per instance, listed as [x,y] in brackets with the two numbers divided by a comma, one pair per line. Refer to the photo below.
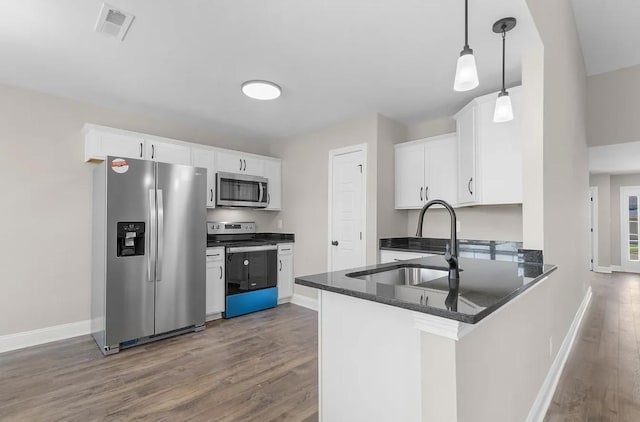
[181,266]
[130,288]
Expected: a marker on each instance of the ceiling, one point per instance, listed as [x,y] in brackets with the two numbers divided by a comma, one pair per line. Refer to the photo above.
[335,59]
[609,32]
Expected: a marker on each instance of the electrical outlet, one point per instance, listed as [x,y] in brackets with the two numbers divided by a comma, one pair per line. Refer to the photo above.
[279,224]
[551,346]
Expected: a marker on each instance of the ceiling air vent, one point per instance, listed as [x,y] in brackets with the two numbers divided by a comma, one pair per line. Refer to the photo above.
[113,21]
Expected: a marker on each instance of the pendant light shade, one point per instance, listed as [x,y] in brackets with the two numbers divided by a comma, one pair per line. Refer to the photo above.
[504,110]
[466,72]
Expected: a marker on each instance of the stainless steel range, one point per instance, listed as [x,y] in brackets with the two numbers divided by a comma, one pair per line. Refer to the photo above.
[251,267]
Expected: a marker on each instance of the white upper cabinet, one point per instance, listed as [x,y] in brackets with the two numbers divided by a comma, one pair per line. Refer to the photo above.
[489,153]
[273,172]
[167,151]
[409,175]
[466,130]
[99,142]
[425,170]
[205,158]
[237,162]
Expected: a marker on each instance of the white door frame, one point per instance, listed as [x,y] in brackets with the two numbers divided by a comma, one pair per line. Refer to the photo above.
[624,228]
[333,153]
[593,220]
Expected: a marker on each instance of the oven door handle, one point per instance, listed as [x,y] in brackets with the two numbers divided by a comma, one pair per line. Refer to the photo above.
[240,249]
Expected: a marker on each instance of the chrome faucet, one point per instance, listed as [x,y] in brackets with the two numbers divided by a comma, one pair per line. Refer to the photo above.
[451,255]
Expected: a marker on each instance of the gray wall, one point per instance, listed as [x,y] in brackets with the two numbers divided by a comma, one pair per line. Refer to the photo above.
[305,173]
[613,104]
[603,183]
[548,312]
[391,222]
[46,204]
[492,222]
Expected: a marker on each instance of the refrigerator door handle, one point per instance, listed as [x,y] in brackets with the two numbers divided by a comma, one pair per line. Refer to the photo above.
[160,236]
[151,255]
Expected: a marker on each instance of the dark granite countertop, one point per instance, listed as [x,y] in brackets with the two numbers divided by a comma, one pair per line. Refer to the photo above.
[479,249]
[257,240]
[485,286]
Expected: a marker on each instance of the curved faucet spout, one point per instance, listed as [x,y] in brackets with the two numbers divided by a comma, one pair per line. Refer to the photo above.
[452,248]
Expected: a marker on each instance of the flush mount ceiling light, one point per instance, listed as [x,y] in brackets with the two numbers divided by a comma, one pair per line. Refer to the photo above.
[503,111]
[466,72]
[261,90]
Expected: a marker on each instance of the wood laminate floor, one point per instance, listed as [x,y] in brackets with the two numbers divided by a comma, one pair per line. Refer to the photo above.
[258,367]
[601,379]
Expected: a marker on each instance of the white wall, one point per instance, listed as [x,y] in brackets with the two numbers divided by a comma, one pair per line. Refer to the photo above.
[46,204]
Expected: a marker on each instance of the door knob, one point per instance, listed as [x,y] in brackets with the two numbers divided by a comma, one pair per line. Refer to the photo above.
[334,243]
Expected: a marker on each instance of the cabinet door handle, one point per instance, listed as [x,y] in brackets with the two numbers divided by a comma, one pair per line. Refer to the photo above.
[469,186]
[211,195]
[421,193]
[140,149]
[280,265]
[220,272]
[334,243]
[241,164]
[245,165]
[153,151]
[426,193]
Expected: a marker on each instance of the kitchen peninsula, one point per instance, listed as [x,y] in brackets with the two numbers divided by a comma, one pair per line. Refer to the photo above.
[397,341]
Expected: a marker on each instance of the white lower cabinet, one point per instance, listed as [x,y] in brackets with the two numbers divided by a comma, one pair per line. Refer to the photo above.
[395,256]
[215,303]
[285,272]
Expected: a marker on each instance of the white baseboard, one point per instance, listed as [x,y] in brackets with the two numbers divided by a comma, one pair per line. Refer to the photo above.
[541,405]
[617,268]
[44,335]
[605,270]
[305,301]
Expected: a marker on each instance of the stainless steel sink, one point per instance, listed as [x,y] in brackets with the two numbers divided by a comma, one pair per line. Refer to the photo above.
[401,276]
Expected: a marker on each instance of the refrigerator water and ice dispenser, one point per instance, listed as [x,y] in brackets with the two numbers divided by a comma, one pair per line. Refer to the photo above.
[130,239]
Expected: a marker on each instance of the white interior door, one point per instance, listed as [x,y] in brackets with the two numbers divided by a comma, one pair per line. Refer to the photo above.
[347,209]
[629,197]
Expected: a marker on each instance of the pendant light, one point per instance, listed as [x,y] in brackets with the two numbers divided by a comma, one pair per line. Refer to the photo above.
[503,111]
[466,72]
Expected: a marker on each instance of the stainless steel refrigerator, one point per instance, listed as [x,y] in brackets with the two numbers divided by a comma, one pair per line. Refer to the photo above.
[149,247]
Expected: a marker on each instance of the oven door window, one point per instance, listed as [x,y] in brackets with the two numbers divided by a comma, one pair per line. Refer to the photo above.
[248,271]
[239,190]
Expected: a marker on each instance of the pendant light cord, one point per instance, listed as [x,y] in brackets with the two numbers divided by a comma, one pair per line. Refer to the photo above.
[466,24]
[504,33]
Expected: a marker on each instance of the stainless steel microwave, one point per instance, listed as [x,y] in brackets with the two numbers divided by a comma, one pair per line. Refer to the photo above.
[241,190]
